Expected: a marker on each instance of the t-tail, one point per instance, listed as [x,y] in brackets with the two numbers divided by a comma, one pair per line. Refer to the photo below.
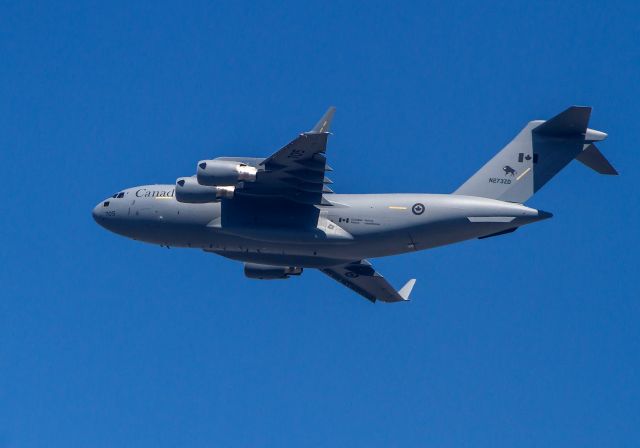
[538,153]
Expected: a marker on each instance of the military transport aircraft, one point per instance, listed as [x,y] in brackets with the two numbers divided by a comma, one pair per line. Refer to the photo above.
[278,215]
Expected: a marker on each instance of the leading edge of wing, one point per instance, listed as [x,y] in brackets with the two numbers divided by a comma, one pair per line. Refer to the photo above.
[362,278]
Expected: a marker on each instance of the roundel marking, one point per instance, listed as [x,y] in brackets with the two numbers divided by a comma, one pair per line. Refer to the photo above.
[418,209]
[351,274]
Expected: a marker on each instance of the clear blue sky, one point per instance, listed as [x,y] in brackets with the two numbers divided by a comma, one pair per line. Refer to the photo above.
[527,340]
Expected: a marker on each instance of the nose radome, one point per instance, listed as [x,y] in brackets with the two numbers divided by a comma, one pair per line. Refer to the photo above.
[96,213]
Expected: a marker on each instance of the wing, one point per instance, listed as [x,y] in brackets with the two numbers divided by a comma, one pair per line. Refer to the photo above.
[362,278]
[297,171]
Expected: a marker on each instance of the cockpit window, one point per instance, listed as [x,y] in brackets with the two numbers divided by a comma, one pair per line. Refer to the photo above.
[105,204]
[120,195]
[115,196]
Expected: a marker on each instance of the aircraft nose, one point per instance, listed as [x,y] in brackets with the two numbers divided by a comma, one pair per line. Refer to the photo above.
[96,213]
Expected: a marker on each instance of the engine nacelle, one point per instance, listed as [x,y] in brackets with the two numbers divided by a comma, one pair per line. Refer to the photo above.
[268,272]
[190,191]
[224,172]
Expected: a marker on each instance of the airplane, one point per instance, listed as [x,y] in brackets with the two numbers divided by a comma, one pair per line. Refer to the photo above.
[279,216]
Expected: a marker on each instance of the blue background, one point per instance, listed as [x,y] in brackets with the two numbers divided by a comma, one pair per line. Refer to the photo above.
[531,339]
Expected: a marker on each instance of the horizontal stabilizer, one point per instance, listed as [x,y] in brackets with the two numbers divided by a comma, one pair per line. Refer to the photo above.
[573,121]
[593,158]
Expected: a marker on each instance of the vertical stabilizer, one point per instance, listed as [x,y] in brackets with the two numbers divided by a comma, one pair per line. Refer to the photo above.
[536,154]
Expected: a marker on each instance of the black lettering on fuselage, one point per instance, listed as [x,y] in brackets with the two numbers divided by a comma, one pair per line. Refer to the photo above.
[144,193]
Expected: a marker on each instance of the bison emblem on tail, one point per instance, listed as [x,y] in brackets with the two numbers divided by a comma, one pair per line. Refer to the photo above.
[509,171]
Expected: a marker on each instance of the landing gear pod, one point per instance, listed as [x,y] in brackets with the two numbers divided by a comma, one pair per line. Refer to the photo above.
[188,190]
[268,272]
[224,172]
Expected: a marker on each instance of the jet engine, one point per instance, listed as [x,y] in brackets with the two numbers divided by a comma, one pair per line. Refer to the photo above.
[224,172]
[268,272]
[190,191]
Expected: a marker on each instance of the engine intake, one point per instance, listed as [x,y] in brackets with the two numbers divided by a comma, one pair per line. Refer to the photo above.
[188,190]
[268,272]
[224,172]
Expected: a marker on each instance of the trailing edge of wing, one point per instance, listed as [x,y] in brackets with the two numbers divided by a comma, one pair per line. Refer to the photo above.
[324,124]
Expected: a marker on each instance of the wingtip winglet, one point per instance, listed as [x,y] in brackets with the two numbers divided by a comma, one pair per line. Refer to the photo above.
[324,124]
[405,291]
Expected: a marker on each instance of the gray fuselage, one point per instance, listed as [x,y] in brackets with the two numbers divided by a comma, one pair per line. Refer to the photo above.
[355,227]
